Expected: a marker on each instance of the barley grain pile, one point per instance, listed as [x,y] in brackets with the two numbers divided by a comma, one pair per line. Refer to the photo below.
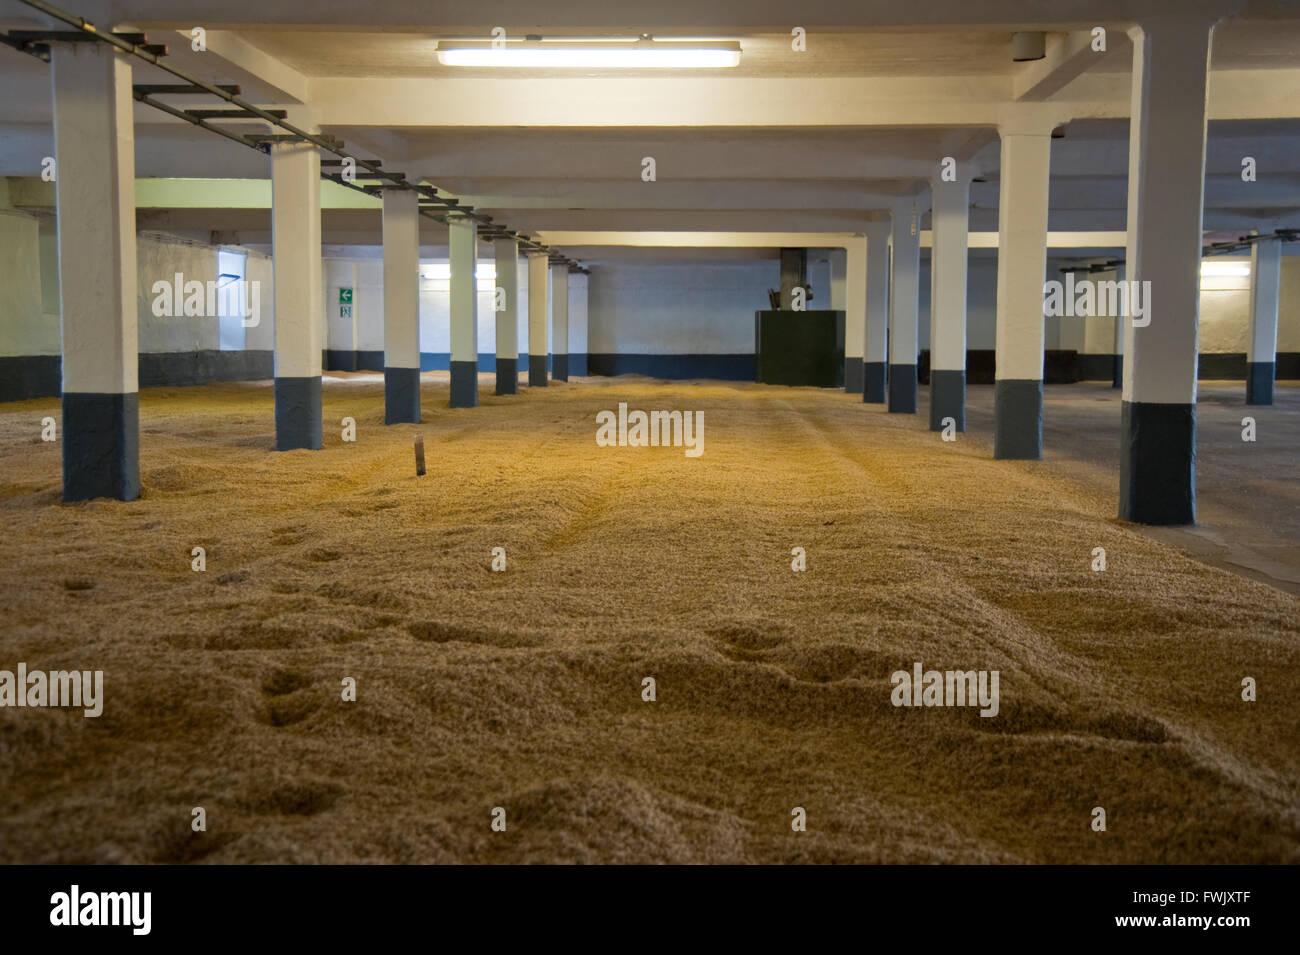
[523,689]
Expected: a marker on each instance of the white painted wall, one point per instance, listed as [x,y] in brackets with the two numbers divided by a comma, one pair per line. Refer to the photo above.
[341,332]
[655,307]
[667,308]
[366,276]
[1288,309]
[29,277]
[1224,322]
[578,318]
[25,328]
[981,303]
[161,259]
[258,267]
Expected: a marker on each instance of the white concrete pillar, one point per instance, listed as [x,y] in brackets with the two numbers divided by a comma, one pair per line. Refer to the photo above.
[539,300]
[854,257]
[95,188]
[401,306]
[950,227]
[1165,197]
[1022,269]
[462,244]
[1118,379]
[578,324]
[1265,286]
[904,304]
[874,353]
[560,322]
[507,299]
[838,262]
[299,312]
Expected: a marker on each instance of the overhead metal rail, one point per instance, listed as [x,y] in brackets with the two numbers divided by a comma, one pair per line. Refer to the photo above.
[36,43]
[1240,244]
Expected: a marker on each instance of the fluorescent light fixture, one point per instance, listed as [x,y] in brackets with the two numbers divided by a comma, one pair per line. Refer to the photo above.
[439,274]
[442,270]
[1228,267]
[592,54]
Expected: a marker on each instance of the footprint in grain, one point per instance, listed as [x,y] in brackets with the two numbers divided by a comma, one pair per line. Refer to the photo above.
[437,631]
[302,798]
[745,642]
[288,698]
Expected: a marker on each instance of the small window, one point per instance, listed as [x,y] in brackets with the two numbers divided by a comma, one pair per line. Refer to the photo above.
[230,270]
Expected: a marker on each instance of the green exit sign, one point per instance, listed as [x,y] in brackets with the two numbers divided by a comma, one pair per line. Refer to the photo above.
[345,296]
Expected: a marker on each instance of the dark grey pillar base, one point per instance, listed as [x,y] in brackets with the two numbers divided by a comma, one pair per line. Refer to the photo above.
[853,375]
[1157,464]
[536,371]
[560,367]
[1118,381]
[297,413]
[507,376]
[101,446]
[1018,419]
[873,382]
[902,389]
[578,364]
[401,395]
[464,384]
[947,398]
[1259,382]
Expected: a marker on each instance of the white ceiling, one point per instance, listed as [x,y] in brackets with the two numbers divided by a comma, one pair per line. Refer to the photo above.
[822,141]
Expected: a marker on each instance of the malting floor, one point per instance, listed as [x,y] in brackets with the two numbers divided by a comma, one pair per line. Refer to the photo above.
[522,689]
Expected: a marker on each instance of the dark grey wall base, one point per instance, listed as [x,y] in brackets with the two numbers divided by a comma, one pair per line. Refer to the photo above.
[673,367]
[1157,463]
[169,369]
[401,396]
[1099,367]
[507,376]
[297,414]
[578,364]
[30,376]
[101,446]
[339,360]
[853,375]
[1102,367]
[344,360]
[873,382]
[902,389]
[947,398]
[560,367]
[536,371]
[464,384]
[441,361]
[1018,419]
[1226,365]
[1259,383]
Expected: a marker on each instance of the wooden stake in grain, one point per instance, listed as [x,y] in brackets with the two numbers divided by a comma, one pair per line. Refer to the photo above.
[419,454]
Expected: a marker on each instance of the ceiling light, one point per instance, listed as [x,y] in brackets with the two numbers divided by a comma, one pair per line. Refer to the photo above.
[592,54]
[1236,269]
